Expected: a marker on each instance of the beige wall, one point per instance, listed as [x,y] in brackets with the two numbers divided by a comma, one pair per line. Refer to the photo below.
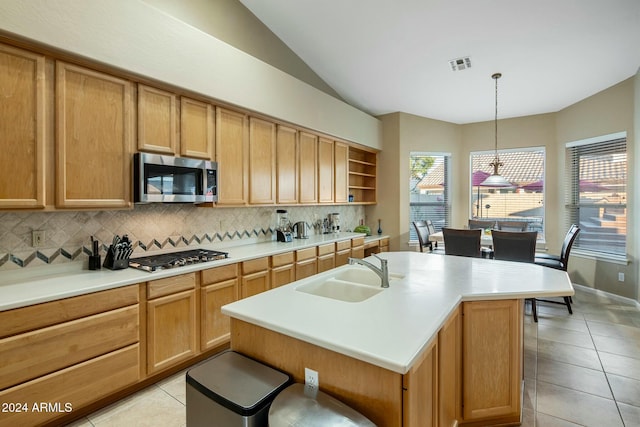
[606,112]
[223,19]
[610,111]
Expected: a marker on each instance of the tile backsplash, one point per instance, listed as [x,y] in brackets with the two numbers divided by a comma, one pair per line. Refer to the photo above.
[150,227]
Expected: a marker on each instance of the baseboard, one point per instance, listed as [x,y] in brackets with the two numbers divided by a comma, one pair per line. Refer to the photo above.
[608,295]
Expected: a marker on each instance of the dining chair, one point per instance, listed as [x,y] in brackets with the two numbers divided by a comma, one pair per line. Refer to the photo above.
[560,262]
[512,225]
[475,224]
[517,246]
[424,229]
[462,242]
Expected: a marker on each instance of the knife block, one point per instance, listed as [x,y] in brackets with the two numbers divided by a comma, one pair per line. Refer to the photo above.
[112,263]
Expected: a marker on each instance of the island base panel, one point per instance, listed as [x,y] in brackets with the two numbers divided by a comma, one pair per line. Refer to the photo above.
[373,391]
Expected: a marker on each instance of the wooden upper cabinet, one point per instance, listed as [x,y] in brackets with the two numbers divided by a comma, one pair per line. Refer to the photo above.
[231,155]
[197,129]
[157,120]
[22,128]
[341,172]
[308,166]
[325,170]
[94,133]
[262,161]
[287,165]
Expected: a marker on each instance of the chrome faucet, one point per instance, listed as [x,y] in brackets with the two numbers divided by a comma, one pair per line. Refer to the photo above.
[383,271]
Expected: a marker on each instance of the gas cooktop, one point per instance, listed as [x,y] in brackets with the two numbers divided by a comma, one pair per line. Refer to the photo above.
[175,259]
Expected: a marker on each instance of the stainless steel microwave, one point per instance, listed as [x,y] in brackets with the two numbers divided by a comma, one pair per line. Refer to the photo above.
[168,179]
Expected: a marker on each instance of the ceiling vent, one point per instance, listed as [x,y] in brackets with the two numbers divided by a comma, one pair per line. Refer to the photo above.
[460,64]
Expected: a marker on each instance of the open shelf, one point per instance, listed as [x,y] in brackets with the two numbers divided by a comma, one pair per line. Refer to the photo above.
[363,166]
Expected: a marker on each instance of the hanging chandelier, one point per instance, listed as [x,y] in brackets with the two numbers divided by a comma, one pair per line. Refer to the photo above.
[495,179]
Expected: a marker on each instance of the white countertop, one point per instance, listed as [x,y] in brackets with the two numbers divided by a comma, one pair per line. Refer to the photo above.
[36,285]
[392,328]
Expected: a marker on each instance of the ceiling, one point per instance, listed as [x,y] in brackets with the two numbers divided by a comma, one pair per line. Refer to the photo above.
[384,56]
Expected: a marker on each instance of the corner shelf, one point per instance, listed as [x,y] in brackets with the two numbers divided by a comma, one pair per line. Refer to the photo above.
[363,166]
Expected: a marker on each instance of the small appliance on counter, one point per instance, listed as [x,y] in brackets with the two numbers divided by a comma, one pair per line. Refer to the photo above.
[283,227]
[334,221]
[302,230]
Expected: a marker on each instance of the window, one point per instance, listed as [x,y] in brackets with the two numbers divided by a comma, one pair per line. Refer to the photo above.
[597,194]
[429,190]
[524,201]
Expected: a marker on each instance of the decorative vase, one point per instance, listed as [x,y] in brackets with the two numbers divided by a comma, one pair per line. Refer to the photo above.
[379,227]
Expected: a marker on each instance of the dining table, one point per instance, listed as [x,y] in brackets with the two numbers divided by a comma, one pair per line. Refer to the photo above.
[486,241]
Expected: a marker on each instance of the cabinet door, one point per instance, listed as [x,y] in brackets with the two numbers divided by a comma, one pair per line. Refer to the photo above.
[171,330]
[287,165]
[282,275]
[22,128]
[231,155]
[325,171]
[326,262]
[157,119]
[262,161]
[450,369]
[306,268]
[94,139]
[197,129]
[420,391]
[491,359]
[254,283]
[215,325]
[341,172]
[308,166]
[342,257]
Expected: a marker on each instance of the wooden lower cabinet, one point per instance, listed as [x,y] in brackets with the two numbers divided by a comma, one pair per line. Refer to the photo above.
[255,277]
[171,330]
[449,370]
[68,353]
[326,257]
[469,375]
[420,390]
[72,388]
[357,247]
[492,359]
[219,286]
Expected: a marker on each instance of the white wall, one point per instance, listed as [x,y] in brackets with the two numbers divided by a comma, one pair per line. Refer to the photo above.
[136,37]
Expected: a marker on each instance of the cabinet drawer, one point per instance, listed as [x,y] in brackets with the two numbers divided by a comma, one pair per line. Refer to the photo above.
[78,385]
[32,354]
[171,285]
[282,259]
[255,265]
[50,313]
[219,274]
[373,244]
[357,241]
[303,254]
[326,262]
[384,242]
[343,244]
[328,248]
[357,252]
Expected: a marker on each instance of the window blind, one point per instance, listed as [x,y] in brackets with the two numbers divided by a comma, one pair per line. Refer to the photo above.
[429,190]
[596,195]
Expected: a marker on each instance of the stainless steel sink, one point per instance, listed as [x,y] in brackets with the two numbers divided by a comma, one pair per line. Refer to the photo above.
[340,290]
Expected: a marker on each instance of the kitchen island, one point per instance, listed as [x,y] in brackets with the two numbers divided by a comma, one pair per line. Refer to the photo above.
[448,330]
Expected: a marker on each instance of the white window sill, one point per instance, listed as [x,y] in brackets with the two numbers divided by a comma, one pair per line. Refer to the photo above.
[614,259]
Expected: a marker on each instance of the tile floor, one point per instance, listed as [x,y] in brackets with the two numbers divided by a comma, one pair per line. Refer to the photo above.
[580,370]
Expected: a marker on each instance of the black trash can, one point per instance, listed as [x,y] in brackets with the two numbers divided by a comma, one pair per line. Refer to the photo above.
[232,390]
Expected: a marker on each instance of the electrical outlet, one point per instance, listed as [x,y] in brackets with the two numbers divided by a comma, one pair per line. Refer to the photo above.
[620,277]
[37,238]
[311,378]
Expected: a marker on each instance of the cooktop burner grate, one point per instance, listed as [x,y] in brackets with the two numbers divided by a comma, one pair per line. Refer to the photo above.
[175,259]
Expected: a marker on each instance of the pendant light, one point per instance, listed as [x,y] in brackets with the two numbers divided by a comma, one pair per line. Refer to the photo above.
[496,180]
